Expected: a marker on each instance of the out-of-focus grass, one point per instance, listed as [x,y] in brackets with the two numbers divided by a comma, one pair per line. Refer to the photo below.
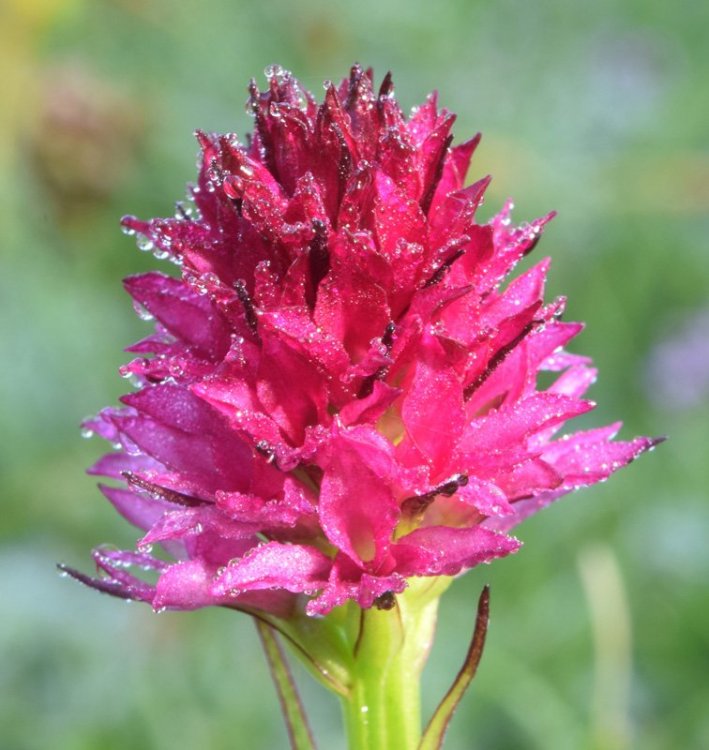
[598,111]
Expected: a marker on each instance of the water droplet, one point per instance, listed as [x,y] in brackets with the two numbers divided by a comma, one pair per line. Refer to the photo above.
[142,312]
[144,243]
[87,432]
[251,107]
[183,210]
[274,71]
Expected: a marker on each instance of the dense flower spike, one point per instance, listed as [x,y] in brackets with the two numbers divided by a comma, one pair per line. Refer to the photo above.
[339,394]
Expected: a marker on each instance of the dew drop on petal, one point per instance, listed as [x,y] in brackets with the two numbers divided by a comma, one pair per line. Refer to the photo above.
[145,244]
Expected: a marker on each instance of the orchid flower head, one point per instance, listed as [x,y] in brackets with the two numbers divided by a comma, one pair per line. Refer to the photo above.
[341,389]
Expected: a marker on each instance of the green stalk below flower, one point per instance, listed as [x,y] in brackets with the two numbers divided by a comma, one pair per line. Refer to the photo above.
[382,651]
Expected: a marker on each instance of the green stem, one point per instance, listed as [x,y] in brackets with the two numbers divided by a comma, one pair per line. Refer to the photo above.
[382,709]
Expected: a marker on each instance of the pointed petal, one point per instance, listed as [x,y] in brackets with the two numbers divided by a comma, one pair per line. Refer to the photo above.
[358,511]
[432,410]
[293,567]
[442,550]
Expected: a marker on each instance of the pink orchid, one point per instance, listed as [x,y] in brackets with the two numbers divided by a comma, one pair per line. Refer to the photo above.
[340,394]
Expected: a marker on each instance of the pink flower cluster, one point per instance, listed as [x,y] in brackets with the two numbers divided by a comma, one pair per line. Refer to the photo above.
[339,393]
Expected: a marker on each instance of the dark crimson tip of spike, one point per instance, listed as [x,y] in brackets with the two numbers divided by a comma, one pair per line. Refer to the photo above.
[345,166]
[318,256]
[249,310]
[441,271]
[387,86]
[181,212]
[532,245]
[171,496]
[438,173]
[498,358]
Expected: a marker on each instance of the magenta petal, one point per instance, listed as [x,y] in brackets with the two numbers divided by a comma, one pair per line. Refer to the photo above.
[398,219]
[346,581]
[238,403]
[575,381]
[186,585]
[358,464]
[294,508]
[435,431]
[182,432]
[486,497]
[505,429]
[589,457]
[524,509]
[522,293]
[294,567]
[370,408]
[115,464]
[529,477]
[178,524]
[139,510]
[454,170]
[441,550]
[292,409]
[189,316]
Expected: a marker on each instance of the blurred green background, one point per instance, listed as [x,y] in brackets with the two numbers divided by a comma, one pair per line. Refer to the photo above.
[600,632]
